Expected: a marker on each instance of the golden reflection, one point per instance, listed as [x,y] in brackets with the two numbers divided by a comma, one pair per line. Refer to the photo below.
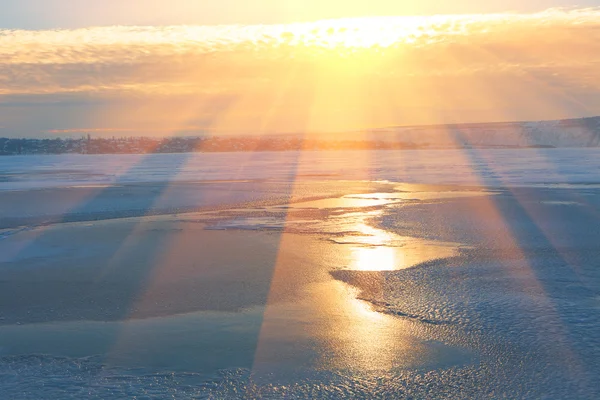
[369,248]
[350,332]
[358,337]
[312,308]
[412,252]
[375,258]
[374,340]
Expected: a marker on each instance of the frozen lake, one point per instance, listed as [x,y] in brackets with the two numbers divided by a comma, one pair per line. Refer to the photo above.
[404,274]
[478,167]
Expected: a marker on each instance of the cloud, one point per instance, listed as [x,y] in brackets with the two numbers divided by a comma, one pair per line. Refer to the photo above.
[468,62]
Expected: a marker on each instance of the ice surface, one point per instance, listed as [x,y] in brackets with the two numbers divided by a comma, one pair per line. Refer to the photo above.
[481,292]
[477,167]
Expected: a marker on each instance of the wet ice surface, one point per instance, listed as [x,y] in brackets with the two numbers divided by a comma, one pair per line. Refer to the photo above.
[378,291]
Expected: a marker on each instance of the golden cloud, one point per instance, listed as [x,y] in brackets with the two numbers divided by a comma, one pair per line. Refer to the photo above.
[549,62]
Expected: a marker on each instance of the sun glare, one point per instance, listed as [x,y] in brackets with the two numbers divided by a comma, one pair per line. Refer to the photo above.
[335,75]
[378,258]
[360,33]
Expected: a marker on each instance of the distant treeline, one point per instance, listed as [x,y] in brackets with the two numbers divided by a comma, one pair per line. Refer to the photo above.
[144,145]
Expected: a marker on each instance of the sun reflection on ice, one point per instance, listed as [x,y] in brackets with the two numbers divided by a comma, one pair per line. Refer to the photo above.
[352,261]
[369,248]
[389,258]
[374,258]
[360,338]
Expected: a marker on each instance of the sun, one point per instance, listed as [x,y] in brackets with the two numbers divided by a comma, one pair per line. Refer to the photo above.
[361,33]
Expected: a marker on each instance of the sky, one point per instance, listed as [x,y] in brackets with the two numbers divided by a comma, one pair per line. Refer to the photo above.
[141,67]
[51,14]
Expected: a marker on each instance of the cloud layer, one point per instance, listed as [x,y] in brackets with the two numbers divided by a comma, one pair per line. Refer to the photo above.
[378,71]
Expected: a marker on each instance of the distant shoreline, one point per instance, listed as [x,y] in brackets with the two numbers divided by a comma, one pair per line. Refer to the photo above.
[177,145]
[569,133]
